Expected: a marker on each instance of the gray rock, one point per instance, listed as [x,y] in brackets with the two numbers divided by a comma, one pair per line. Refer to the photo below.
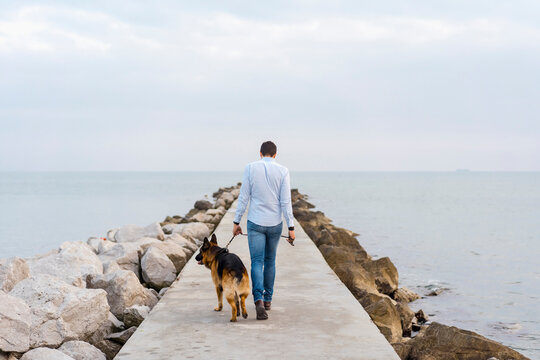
[188,245]
[111,326]
[173,250]
[195,231]
[105,245]
[44,353]
[80,350]
[123,336]
[12,271]
[71,264]
[126,256]
[158,271]
[15,322]
[134,232]
[111,266]
[202,205]
[111,234]
[94,243]
[162,292]
[60,311]
[7,356]
[135,315]
[123,290]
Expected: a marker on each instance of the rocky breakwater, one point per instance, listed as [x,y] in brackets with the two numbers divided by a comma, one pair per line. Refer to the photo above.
[375,284]
[85,299]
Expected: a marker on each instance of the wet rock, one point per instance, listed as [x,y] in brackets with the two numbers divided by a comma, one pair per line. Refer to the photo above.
[435,292]
[109,348]
[406,315]
[12,271]
[44,353]
[133,232]
[158,271]
[123,290]
[80,350]
[451,343]
[73,261]
[123,336]
[421,316]
[203,205]
[135,315]
[60,311]
[385,315]
[15,323]
[405,295]
[385,273]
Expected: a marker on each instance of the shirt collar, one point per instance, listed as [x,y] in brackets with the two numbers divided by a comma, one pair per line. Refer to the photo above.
[268,158]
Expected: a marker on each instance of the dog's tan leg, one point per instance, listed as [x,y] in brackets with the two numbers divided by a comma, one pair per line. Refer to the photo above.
[219,292]
[232,302]
[237,301]
[243,304]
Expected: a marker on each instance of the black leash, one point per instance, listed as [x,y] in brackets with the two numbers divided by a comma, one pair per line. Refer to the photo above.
[289,240]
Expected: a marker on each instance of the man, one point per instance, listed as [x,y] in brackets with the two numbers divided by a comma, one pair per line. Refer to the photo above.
[266,185]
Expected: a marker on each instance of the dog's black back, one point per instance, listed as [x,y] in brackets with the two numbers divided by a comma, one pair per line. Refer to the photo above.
[231,262]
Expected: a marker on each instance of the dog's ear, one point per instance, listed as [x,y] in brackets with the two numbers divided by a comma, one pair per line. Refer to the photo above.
[205,244]
[214,239]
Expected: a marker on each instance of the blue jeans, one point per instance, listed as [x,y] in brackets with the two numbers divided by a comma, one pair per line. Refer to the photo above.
[263,242]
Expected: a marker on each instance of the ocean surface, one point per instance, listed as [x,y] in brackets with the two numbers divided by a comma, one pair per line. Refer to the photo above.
[474,235]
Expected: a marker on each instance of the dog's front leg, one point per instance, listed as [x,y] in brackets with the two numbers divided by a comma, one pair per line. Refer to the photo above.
[219,292]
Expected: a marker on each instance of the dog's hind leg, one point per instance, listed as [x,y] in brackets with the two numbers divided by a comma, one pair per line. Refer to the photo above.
[237,300]
[230,296]
[219,292]
[243,304]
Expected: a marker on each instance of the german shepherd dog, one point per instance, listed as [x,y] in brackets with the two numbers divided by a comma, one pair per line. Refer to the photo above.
[229,275]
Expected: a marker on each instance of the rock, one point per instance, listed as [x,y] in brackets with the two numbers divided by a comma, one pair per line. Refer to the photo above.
[123,290]
[111,266]
[219,212]
[174,252]
[385,273]
[111,326]
[406,315]
[135,315]
[105,245]
[94,242]
[301,203]
[111,234]
[109,348]
[74,260]
[126,256]
[162,292]
[12,271]
[7,356]
[385,315]
[434,292]
[44,353]
[336,255]
[123,336]
[312,219]
[189,246]
[421,317]
[202,217]
[220,203]
[194,231]
[80,350]
[451,343]
[60,311]
[15,323]
[202,205]
[228,198]
[134,232]
[158,271]
[358,281]
[405,295]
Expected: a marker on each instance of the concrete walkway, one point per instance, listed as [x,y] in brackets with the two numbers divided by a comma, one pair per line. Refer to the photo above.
[313,316]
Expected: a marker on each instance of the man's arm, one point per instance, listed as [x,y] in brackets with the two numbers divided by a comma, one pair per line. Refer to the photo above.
[243,199]
[285,202]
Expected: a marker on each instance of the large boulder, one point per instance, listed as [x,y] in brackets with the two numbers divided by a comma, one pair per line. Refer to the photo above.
[227,197]
[406,315]
[173,250]
[405,295]
[134,232]
[15,322]
[158,271]
[12,271]
[358,281]
[112,325]
[71,263]
[385,315]
[385,273]
[195,231]
[45,353]
[336,255]
[60,311]
[109,348]
[123,290]
[202,217]
[451,343]
[123,336]
[80,350]
[125,255]
[189,245]
[135,315]
[202,205]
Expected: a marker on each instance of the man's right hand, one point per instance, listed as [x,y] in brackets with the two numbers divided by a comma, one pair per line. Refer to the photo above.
[291,235]
[237,230]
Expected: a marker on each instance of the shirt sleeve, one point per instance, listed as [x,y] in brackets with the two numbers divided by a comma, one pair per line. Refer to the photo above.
[285,199]
[243,198]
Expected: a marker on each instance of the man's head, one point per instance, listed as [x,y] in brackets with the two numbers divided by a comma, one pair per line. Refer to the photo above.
[268,148]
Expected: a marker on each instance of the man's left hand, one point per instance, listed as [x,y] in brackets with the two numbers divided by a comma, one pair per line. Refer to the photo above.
[237,230]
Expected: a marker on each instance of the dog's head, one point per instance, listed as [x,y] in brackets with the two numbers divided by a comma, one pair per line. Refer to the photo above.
[206,254]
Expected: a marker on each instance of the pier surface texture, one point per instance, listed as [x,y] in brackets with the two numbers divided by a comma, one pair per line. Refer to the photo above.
[313,316]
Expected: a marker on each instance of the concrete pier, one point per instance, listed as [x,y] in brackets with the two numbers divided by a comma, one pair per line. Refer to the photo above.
[313,316]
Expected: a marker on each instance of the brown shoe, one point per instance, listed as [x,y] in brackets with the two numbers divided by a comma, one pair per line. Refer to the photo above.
[261,312]
[267,305]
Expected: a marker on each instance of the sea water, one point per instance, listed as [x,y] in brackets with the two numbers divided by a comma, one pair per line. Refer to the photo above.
[474,235]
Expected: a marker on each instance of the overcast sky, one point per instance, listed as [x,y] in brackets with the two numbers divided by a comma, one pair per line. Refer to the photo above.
[338,85]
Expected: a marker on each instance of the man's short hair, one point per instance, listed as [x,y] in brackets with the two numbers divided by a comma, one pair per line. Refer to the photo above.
[268,148]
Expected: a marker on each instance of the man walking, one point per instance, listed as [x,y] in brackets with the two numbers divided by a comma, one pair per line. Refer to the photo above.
[266,185]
